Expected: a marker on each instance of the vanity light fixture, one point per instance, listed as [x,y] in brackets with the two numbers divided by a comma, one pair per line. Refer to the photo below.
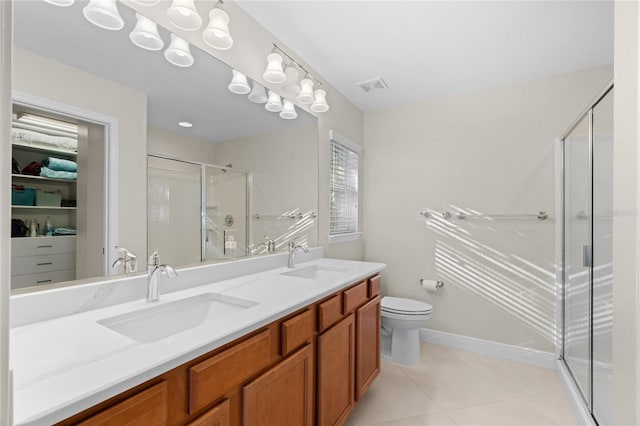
[146,2]
[258,94]
[291,86]
[274,104]
[320,102]
[63,3]
[185,124]
[288,110]
[239,84]
[145,34]
[274,72]
[178,52]
[305,97]
[217,33]
[103,14]
[183,14]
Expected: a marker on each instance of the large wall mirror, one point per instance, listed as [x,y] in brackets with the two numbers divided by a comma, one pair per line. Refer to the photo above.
[98,145]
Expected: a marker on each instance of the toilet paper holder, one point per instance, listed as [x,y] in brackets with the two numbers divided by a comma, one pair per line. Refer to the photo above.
[439,284]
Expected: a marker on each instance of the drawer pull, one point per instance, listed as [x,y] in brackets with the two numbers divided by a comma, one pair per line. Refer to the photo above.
[45,263]
[43,281]
[49,246]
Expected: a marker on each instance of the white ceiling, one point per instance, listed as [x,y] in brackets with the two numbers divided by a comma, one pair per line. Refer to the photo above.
[432,48]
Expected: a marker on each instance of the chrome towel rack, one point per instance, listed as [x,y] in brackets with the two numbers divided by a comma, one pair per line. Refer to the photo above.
[292,216]
[541,215]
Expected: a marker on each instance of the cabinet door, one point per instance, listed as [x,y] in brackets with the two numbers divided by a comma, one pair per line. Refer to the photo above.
[148,407]
[282,396]
[336,362]
[367,345]
[219,415]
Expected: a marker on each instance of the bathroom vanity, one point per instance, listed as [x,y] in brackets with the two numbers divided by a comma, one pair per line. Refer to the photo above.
[281,346]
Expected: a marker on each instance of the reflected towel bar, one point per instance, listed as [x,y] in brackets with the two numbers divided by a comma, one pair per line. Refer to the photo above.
[292,216]
[541,215]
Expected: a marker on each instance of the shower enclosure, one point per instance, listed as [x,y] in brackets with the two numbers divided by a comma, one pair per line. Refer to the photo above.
[587,277]
[196,212]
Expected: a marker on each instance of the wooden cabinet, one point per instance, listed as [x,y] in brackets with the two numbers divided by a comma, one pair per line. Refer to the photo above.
[307,368]
[336,372]
[282,396]
[148,407]
[367,346]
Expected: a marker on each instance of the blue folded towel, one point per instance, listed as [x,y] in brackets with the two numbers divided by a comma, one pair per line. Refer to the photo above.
[56,174]
[64,231]
[61,165]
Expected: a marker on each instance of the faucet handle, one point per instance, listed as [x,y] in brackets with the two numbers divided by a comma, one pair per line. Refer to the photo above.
[154,259]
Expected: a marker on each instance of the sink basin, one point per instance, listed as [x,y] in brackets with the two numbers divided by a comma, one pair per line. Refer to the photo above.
[316,272]
[159,322]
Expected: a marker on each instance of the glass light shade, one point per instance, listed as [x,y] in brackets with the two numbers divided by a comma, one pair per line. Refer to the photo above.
[305,96]
[258,95]
[239,84]
[217,33]
[274,72]
[291,86]
[274,104]
[183,14]
[103,14]
[320,102]
[288,110]
[63,3]
[178,52]
[145,34]
[146,2]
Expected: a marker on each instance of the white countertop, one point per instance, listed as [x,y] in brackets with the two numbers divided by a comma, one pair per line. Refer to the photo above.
[64,365]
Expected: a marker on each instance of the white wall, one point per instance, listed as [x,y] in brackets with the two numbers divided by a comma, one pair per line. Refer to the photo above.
[163,142]
[490,152]
[626,224]
[83,90]
[285,180]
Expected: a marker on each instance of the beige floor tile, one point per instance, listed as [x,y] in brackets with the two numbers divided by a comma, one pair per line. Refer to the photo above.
[438,419]
[513,412]
[554,402]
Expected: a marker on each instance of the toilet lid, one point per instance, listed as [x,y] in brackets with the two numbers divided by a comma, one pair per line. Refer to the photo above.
[404,306]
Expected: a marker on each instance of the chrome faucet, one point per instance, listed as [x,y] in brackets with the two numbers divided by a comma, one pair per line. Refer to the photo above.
[128,259]
[269,243]
[293,248]
[154,270]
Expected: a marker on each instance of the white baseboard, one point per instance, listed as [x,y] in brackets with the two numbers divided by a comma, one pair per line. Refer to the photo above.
[486,347]
[582,414]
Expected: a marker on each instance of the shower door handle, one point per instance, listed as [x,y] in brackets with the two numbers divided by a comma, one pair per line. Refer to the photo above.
[587,258]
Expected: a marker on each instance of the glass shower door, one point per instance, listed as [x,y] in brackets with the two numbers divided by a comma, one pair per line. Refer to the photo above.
[577,255]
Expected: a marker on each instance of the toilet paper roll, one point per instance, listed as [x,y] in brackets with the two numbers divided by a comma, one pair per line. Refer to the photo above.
[430,285]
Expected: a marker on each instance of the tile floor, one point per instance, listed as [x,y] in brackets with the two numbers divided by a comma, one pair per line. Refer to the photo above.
[451,387]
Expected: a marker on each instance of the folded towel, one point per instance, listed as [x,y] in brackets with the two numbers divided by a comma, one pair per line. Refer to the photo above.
[61,165]
[56,174]
[64,231]
[29,137]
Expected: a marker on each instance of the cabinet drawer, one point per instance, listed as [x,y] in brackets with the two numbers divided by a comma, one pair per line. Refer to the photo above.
[354,297]
[329,312]
[374,286]
[296,331]
[42,245]
[148,407]
[210,379]
[219,415]
[43,278]
[45,263]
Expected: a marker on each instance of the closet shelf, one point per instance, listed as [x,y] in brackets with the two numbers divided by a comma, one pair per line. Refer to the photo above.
[43,207]
[34,148]
[42,178]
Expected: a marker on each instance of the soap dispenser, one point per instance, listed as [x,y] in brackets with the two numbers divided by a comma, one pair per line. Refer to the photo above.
[48,229]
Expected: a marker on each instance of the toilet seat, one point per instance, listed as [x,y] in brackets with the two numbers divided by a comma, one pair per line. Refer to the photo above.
[400,306]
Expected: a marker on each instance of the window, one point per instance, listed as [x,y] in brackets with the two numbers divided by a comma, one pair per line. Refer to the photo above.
[343,189]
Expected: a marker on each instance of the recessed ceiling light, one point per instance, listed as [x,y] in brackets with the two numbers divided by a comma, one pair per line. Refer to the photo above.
[185,124]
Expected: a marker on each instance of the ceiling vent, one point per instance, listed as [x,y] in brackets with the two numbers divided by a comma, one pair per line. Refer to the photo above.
[374,84]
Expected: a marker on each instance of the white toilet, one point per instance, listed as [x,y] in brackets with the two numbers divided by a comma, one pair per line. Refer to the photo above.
[403,317]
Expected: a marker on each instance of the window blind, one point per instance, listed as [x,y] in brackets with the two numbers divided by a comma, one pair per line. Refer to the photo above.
[343,190]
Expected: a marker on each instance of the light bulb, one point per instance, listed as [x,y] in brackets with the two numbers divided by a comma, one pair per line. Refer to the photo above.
[320,102]
[63,3]
[178,52]
[258,95]
[291,86]
[239,84]
[274,104]
[217,33]
[305,97]
[146,2]
[183,14]
[145,34]
[274,73]
[103,14]
[288,110]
